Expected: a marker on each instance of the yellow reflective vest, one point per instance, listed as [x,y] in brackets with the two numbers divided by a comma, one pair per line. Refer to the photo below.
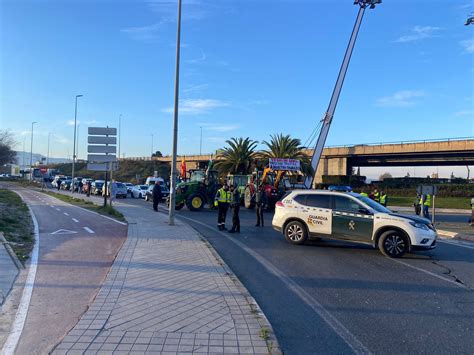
[222,196]
[383,198]
[427,200]
[364,194]
[377,196]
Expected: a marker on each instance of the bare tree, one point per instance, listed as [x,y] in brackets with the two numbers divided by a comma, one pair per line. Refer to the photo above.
[384,176]
[7,142]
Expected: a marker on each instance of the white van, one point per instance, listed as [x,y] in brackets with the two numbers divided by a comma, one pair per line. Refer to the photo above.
[152,180]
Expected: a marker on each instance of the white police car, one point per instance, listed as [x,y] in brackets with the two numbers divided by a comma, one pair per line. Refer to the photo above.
[349,216]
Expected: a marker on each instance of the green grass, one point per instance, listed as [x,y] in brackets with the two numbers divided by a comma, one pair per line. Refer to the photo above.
[440,202]
[109,211]
[16,224]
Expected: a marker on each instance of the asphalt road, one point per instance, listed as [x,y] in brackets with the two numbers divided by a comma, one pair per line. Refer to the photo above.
[340,298]
[77,248]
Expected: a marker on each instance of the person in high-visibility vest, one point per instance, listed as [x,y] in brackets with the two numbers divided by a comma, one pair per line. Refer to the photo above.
[383,198]
[222,202]
[425,202]
[376,195]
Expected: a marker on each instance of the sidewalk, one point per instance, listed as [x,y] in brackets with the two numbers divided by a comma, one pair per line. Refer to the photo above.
[456,231]
[169,292]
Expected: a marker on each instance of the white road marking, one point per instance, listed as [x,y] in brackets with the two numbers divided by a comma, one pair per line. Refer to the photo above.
[51,206]
[332,321]
[64,231]
[428,272]
[20,317]
[57,209]
[89,230]
[458,243]
[75,220]
[66,214]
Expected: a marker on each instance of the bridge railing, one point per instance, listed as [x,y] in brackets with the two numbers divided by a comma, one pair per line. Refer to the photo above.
[456,139]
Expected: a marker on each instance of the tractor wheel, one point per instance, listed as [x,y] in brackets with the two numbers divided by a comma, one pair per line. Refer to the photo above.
[195,202]
[249,202]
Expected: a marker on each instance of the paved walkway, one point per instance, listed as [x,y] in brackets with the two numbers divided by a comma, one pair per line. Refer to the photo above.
[8,272]
[169,292]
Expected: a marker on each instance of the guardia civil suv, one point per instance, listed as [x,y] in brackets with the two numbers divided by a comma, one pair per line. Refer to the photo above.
[304,214]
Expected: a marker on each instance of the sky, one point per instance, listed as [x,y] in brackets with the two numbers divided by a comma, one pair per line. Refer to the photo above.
[249,68]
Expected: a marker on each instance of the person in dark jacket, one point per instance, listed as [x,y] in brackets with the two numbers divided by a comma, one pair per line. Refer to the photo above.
[235,205]
[156,195]
[260,201]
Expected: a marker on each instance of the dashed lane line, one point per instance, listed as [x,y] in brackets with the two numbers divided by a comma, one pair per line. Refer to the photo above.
[66,214]
[75,220]
[88,230]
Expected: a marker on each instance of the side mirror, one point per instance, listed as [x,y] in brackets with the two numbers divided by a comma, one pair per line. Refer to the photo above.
[363,210]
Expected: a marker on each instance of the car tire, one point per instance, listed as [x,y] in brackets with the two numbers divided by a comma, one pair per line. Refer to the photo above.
[296,233]
[393,244]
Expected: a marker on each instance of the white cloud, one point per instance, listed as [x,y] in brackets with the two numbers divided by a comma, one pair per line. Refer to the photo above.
[464,113]
[91,122]
[468,45]
[195,88]
[71,122]
[220,128]
[418,33]
[197,106]
[402,98]
[147,33]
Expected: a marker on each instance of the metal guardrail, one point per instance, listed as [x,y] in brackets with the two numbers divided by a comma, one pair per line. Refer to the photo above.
[456,139]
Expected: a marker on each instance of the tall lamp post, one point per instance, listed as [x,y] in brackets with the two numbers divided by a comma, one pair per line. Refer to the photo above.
[74,147]
[200,143]
[47,155]
[151,146]
[31,151]
[175,122]
[119,134]
[318,149]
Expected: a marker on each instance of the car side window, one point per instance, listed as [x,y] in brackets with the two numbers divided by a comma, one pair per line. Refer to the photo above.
[320,201]
[301,199]
[346,204]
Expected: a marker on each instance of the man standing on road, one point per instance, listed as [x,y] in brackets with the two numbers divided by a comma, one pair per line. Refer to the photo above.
[156,195]
[261,201]
[235,205]
[222,201]
[425,202]
[383,198]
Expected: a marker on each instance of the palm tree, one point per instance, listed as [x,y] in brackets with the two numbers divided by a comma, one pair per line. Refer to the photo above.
[281,146]
[237,157]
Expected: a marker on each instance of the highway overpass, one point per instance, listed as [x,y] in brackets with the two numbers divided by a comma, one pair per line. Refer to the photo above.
[340,160]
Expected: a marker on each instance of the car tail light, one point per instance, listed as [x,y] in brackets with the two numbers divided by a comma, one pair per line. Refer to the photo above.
[279,204]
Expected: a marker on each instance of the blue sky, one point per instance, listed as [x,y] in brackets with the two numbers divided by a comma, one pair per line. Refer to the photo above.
[249,68]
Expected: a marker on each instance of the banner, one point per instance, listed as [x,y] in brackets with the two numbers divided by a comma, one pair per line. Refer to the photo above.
[284,164]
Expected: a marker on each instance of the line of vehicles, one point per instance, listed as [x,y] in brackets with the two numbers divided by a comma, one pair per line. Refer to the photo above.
[119,189]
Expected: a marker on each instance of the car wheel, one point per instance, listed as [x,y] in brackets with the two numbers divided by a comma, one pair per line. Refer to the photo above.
[295,233]
[393,244]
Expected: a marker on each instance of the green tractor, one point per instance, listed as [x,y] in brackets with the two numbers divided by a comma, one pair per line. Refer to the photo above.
[200,189]
[239,181]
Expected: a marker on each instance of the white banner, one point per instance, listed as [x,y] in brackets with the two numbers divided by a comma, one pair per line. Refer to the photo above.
[284,164]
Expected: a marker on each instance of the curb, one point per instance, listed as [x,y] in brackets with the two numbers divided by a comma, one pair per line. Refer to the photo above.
[272,343]
[10,252]
[454,235]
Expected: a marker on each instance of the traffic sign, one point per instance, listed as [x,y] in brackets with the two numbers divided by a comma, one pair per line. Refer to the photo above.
[102,166]
[101,149]
[101,140]
[102,131]
[98,158]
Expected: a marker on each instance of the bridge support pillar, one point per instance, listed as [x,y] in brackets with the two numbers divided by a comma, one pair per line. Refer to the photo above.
[332,166]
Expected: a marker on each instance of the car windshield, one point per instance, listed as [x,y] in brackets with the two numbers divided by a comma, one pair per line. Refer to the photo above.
[143,187]
[374,205]
[120,185]
[198,175]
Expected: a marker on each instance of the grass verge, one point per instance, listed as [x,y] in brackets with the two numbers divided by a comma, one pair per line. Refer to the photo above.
[16,224]
[108,211]
[440,202]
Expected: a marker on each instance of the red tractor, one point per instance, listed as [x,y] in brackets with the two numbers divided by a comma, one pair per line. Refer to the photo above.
[271,183]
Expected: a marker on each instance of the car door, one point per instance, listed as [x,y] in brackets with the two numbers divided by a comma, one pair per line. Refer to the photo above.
[319,216]
[350,220]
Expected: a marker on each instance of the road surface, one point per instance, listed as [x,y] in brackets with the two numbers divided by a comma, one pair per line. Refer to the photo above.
[76,250]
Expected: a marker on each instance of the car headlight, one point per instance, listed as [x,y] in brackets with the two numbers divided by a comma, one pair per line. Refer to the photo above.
[420,225]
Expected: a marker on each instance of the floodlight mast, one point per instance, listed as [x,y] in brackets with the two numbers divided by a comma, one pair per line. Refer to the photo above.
[318,149]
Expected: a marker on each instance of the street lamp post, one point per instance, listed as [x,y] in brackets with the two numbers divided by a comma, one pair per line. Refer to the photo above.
[175,122]
[318,149]
[119,134]
[47,155]
[74,146]
[200,143]
[31,151]
[151,146]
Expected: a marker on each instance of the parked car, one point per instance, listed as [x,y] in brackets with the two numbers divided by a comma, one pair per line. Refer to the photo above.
[352,217]
[165,192]
[97,186]
[340,188]
[139,191]
[66,184]
[152,180]
[120,190]
[129,187]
